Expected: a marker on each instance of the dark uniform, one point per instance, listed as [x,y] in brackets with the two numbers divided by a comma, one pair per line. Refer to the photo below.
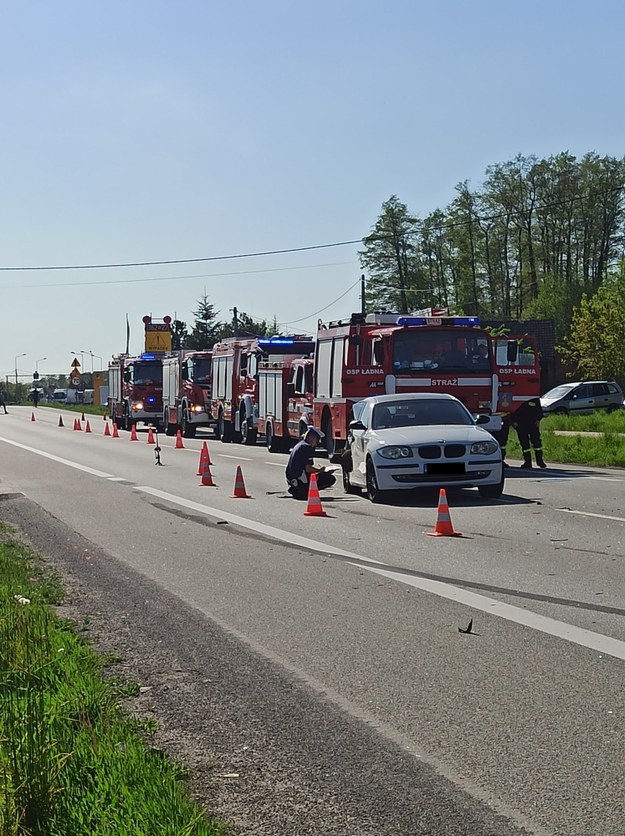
[526,421]
[297,477]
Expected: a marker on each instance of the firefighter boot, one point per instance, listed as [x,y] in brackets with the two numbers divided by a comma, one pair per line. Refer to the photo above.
[527,460]
[539,458]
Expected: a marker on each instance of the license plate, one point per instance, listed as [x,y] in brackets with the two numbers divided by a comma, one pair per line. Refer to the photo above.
[451,469]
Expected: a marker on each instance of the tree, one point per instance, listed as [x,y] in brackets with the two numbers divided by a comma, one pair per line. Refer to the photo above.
[596,342]
[205,330]
[244,326]
[390,256]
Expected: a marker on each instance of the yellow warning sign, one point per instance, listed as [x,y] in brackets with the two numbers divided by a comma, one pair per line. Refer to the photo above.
[157,341]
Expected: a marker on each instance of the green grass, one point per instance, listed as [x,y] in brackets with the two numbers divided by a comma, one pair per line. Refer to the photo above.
[72,761]
[606,450]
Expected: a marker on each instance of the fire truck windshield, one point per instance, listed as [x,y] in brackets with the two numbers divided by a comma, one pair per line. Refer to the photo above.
[202,371]
[447,349]
[147,374]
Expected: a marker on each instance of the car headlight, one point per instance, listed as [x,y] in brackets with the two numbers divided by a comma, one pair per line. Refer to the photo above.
[137,405]
[197,408]
[395,452]
[484,448]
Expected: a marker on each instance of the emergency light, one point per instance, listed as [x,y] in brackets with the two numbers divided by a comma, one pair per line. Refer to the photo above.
[147,357]
[438,320]
[276,341]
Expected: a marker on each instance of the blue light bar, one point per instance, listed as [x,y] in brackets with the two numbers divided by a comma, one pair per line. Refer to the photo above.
[276,341]
[412,320]
[147,357]
[466,320]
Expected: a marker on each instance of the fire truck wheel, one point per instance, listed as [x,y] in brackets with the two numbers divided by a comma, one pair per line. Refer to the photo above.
[273,442]
[248,432]
[188,430]
[225,430]
[170,429]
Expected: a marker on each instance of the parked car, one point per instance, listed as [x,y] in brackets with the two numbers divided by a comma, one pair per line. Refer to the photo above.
[420,440]
[58,396]
[583,397]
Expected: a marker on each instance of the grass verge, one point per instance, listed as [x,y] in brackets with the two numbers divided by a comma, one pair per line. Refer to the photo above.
[72,761]
[605,450]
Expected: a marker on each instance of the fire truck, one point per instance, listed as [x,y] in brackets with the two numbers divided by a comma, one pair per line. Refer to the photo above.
[517,365]
[187,392]
[385,353]
[236,366]
[285,398]
[135,390]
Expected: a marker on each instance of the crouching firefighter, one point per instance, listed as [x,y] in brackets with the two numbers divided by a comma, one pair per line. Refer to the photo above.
[301,465]
[526,421]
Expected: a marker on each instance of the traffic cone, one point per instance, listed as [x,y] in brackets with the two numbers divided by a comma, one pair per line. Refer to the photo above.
[82,417]
[88,428]
[314,507]
[443,527]
[207,478]
[115,431]
[179,444]
[204,459]
[77,427]
[61,424]
[133,433]
[208,454]
[32,416]
[151,436]
[239,486]
[106,429]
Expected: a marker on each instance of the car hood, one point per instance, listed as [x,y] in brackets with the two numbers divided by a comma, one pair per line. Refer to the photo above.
[440,433]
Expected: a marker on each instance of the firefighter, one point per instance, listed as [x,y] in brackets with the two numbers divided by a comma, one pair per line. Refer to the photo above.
[300,465]
[526,421]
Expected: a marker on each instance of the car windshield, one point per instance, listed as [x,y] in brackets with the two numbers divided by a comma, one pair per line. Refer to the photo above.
[419,413]
[148,374]
[448,349]
[202,370]
[558,392]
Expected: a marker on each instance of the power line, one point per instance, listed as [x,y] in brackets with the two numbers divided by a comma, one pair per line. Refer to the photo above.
[183,260]
[321,310]
[174,278]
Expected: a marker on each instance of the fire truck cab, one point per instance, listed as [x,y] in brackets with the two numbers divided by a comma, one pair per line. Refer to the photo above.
[285,394]
[135,390]
[517,362]
[187,377]
[387,353]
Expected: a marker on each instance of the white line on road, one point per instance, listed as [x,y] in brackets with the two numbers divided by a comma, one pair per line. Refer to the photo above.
[275,464]
[58,459]
[240,458]
[607,478]
[589,514]
[543,624]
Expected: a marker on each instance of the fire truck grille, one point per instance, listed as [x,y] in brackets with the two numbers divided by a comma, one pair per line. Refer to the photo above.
[454,451]
[432,451]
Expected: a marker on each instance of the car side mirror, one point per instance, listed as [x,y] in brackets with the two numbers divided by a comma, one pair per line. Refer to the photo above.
[512,351]
[290,390]
[356,425]
[482,419]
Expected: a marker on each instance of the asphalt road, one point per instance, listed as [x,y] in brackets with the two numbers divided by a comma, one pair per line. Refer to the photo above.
[329,647]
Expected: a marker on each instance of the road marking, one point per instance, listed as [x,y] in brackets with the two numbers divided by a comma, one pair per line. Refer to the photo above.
[543,624]
[240,458]
[58,459]
[607,478]
[589,514]
[275,464]
[117,479]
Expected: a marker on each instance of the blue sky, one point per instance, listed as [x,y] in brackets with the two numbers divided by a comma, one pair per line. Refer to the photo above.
[145,130]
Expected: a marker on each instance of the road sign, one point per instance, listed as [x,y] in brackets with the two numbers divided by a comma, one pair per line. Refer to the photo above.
[75,363]
[157,340]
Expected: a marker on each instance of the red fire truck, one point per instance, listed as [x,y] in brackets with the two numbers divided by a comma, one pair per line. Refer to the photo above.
[285,399]
[386,353]
[517,366]
[236,366]
[135,390]
[187,392]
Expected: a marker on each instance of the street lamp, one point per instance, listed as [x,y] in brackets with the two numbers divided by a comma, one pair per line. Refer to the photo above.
[37,363]
[92,355]
[17,356]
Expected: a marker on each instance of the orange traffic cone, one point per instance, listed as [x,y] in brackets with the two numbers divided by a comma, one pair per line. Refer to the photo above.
[61,424]
[32,416]
[204,459]
[133,433]
[314,507]
[106,429]
[151,436]
[179,444]
[115,431]
[207,478]
[239,486]
[443,527]
[88,427]
[77,427]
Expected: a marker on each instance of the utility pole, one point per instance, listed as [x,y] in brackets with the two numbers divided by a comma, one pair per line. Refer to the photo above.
[363,304]
[235,321]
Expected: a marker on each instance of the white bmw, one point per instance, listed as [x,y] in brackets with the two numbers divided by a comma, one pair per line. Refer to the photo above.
[419,440]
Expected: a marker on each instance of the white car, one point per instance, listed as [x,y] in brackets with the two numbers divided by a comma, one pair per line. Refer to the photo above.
[419,440]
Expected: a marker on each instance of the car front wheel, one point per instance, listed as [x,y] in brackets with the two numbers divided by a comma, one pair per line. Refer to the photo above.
[373,492]
[347,485]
